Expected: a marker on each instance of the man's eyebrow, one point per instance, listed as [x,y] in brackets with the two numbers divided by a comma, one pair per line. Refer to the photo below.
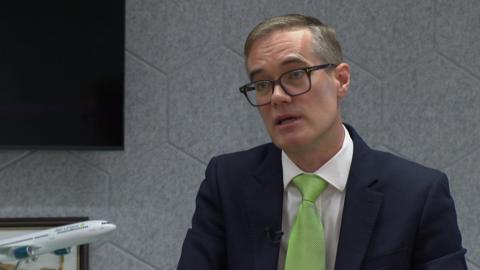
[292,60]
[254,72]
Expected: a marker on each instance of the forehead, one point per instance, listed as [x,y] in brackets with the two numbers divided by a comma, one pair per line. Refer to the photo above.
[279,48]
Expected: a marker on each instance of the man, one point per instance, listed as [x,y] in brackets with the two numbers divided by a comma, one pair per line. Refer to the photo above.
[318,197]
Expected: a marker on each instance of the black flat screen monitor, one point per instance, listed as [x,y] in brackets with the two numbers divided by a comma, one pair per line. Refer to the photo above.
[62,74]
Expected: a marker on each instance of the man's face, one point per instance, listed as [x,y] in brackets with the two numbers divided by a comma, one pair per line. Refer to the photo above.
[304,122]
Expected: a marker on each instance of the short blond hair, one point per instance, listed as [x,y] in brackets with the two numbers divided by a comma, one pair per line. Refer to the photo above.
[325,43]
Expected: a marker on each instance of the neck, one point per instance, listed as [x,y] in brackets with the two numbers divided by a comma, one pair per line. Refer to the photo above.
[312,157]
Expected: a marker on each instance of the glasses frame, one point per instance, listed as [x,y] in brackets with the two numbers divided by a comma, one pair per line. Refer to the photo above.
[247,87]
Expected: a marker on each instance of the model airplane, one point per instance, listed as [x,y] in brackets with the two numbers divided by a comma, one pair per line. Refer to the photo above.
[58,240]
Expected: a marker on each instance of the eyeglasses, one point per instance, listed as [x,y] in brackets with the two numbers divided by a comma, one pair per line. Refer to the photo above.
[294,82]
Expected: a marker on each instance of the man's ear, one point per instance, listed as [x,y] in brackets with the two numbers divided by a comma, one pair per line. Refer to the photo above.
[342,77]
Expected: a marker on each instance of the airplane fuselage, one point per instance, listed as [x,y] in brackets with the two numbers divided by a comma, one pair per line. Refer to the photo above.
[57,240]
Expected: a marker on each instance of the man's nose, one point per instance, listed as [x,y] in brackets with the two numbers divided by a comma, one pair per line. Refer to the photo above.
[279,95]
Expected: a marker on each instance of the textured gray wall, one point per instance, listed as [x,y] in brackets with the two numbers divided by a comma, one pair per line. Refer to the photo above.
[415,92]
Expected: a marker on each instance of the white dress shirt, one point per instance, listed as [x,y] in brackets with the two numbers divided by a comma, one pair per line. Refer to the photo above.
[329,204]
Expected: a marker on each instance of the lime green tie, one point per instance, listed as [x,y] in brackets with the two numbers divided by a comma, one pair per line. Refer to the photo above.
[306,246]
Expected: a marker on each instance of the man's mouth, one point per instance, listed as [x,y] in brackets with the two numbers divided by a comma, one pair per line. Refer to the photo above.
[285,120]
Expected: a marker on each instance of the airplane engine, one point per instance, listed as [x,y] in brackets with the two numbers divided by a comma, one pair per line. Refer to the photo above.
[22,252]
[63,251]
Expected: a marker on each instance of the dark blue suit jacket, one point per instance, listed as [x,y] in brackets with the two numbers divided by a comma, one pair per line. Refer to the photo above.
[397,215]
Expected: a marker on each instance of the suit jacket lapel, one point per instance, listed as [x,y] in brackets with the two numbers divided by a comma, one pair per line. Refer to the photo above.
[264,199]
[361,207]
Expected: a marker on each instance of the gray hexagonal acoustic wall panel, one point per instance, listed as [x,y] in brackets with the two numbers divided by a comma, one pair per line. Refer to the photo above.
[415,92]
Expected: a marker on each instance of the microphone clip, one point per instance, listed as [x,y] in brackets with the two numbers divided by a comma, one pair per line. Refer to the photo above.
[273,236]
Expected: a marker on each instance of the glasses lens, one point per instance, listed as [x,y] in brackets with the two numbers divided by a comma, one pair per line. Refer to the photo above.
[259,92]
[296,81]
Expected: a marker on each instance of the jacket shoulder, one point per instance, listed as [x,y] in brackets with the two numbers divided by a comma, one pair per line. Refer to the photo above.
[392,168]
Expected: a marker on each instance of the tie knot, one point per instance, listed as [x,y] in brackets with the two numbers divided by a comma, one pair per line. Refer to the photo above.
[310,185]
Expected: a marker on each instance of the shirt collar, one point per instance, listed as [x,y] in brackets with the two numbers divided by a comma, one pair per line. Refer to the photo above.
[335,171]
